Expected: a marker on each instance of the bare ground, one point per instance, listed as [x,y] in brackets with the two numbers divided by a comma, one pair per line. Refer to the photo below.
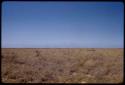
[66,65]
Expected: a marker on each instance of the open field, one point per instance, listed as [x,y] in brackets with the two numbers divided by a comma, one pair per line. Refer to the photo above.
[62,65]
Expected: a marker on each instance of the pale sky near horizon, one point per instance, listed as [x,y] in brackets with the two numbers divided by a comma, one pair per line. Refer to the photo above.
[62,24]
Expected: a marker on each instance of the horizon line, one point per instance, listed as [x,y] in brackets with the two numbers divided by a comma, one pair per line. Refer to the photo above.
[53,48]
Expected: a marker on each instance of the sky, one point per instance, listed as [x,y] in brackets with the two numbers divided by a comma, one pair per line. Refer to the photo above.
[62,24]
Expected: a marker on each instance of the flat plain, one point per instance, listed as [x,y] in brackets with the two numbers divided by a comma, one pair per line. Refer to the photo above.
[62,65]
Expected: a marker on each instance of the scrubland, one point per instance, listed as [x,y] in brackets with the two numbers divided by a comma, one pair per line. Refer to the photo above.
[62,65]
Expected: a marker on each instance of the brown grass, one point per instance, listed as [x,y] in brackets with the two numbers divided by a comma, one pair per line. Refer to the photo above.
[65,65]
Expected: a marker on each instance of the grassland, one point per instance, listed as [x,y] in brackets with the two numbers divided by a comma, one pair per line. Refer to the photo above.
[66,65]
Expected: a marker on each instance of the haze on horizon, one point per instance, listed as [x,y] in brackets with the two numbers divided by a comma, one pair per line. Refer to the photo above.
[62,24]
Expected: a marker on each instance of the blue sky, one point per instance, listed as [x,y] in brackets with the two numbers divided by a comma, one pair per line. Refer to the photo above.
[62,24]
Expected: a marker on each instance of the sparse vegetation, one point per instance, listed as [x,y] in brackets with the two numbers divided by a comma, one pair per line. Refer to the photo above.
[37,53]
[62,65]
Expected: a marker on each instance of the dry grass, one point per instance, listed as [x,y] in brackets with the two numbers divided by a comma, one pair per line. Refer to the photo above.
[62,65]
